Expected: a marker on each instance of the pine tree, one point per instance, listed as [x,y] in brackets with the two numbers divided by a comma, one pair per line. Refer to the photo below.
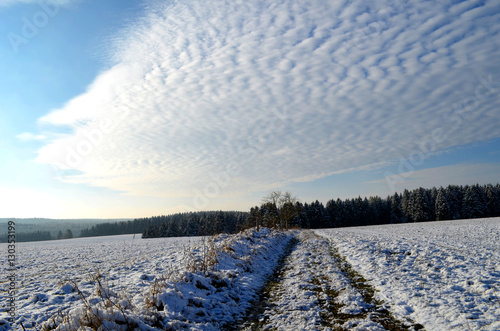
[340,213]
[332,211]
[431,197]
[406,206]
[375,207]
[455,198]
[303,221]
[493,200]
[443,211]
[483,200]
[418,203]
[360,211]
[472,205]
[396,215]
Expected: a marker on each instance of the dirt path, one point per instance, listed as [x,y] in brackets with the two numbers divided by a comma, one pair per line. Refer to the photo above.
[316,289]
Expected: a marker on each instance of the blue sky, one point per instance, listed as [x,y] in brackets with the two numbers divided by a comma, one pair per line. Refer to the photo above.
[131,109]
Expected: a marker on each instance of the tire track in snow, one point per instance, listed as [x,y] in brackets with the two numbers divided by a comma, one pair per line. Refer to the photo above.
[312,290]
[443,274]
[253,320]
[376,310]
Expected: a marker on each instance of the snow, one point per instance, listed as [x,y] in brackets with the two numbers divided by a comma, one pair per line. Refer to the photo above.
[149,284]
[46,270]
[444,275]
[219,297]
[302,297]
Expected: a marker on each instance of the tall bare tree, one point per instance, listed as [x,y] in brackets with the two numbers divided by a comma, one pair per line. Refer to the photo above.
[284,207]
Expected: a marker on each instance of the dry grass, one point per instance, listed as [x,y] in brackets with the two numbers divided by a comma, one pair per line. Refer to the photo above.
[94,316]
[106,310]
[207,261]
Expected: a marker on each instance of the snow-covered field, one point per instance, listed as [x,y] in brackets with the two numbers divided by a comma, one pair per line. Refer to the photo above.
[47,268]
[149,284]
[444,275]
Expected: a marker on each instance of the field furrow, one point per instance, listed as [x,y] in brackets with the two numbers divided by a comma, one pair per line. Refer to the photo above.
[316,289]
[443,274]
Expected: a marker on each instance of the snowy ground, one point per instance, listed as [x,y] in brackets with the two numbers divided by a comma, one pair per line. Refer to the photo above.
[46,268]
[313,293]
[444,275]
[146,284]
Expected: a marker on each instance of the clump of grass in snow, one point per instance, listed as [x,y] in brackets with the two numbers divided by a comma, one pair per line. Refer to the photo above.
[105,310]
[207,260]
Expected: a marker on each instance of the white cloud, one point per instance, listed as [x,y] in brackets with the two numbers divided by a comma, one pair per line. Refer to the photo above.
[28,136]
[273,93]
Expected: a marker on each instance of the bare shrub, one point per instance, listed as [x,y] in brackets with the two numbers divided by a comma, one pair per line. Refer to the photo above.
[206,261]
[94,315]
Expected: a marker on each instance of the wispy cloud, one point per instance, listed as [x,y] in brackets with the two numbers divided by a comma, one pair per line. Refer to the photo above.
[267,93]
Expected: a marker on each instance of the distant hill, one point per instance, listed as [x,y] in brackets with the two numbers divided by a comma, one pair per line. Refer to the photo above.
[32,225]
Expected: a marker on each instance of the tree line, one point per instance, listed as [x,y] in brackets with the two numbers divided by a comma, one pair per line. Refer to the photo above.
[282,210]
[37,236]
[419,205]
[195,224]
[175,225]
[116,228]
